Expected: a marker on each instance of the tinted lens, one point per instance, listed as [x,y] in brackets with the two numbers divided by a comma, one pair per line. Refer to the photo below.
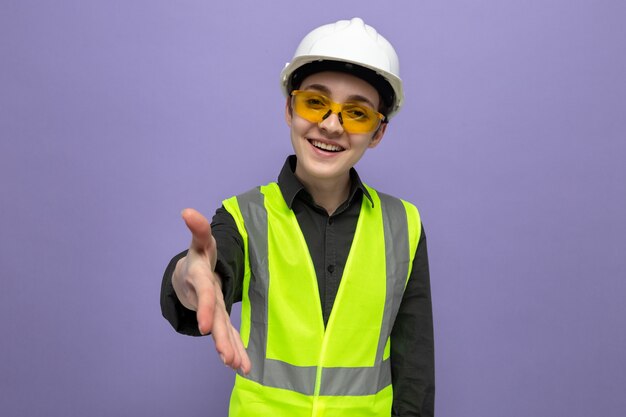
[358,118]
[311,106]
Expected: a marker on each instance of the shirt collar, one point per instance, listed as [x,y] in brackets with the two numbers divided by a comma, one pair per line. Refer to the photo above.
[290,186]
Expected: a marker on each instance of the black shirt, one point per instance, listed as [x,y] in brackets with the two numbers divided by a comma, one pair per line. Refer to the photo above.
[329,239]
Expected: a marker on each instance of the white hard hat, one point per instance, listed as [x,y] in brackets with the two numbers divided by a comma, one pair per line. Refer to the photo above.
[350,43]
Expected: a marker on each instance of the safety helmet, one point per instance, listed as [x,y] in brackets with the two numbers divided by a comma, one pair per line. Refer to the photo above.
[349,46]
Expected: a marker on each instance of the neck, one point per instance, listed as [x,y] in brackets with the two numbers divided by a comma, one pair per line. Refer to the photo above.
[329,194]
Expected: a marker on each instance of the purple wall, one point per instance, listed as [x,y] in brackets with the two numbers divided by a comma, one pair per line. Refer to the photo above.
[115,115]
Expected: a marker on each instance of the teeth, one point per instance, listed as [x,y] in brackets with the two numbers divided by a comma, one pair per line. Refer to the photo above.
[326,146]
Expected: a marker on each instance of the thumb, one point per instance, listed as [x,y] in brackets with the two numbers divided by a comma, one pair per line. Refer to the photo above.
[200,229]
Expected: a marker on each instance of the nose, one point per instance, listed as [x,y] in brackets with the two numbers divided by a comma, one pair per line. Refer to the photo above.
[332,124]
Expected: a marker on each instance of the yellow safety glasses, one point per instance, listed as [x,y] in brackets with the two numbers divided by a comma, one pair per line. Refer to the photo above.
[354,116]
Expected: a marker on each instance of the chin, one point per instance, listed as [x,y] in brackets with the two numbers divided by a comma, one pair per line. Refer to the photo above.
[323,170]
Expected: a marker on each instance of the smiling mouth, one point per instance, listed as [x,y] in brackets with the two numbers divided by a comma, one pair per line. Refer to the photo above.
[326,146]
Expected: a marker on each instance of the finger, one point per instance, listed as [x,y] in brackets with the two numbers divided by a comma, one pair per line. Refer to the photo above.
[199,227]
[236,362]
[246,365]
[221,337]
[205,313]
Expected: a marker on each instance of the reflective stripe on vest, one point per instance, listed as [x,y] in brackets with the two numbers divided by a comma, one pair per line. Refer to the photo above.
[389,220]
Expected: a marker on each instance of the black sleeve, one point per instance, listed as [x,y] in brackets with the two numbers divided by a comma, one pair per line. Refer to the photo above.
[412,344]
[230,267]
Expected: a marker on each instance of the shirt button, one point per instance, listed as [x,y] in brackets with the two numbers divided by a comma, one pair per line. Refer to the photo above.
[331,220]
[331,268]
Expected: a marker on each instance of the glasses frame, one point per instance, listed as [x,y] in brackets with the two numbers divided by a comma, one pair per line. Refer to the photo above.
[337,108]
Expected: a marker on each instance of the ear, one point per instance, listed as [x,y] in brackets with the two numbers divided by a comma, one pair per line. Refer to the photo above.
[378,135]
[288,111]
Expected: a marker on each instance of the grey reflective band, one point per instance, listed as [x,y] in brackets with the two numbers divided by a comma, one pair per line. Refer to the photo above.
[356,381]
[255,219]
[352,381]
[280,374]
[398,257]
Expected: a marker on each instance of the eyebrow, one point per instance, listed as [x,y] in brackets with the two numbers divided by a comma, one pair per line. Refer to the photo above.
[353,97]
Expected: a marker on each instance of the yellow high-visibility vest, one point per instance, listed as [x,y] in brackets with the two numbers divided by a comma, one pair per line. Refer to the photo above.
[300,368]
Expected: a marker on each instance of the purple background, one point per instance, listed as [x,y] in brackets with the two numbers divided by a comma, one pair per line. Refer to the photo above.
[115,115]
